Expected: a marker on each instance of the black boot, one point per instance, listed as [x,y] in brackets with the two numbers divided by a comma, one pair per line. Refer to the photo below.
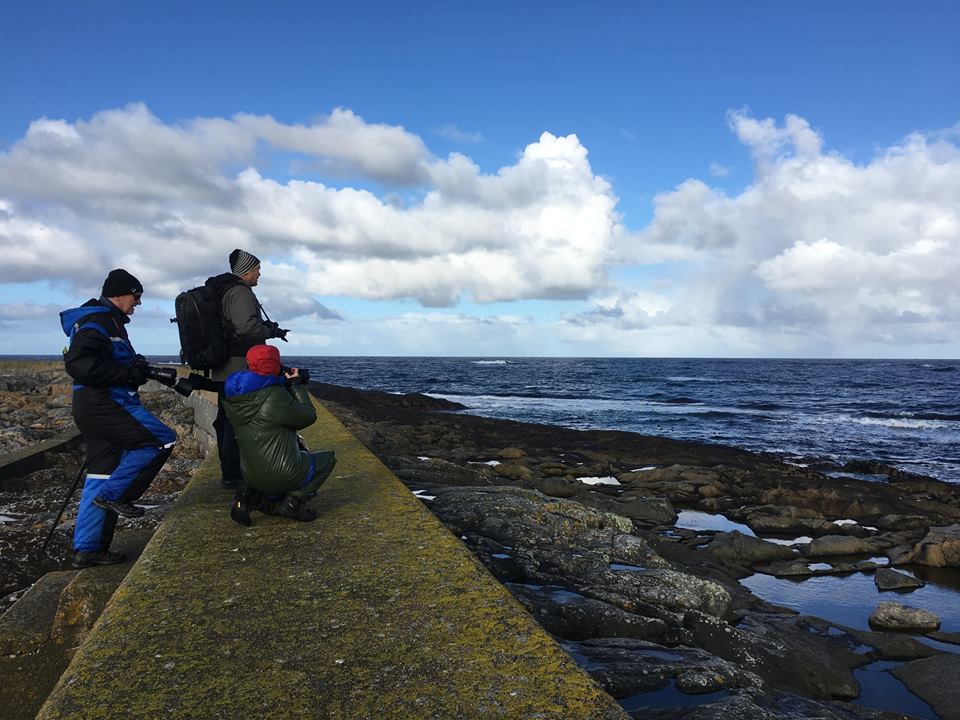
[96,557]
[240,510]
[295,508]
[120,507]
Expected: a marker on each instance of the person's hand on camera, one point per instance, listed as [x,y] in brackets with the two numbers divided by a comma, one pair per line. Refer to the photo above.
[292,374]
[137,372]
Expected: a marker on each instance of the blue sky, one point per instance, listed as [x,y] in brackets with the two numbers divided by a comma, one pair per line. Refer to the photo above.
[719,179]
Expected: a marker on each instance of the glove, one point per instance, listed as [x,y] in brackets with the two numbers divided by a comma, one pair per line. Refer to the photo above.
[282,334]
[137,372]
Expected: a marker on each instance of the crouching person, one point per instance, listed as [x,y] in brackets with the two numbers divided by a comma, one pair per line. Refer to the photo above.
[267,406]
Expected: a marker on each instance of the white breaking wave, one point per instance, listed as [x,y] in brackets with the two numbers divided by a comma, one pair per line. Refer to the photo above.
[489,362]
[901,423]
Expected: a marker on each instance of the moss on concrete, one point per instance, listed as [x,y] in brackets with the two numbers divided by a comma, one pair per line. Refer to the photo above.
[374,610]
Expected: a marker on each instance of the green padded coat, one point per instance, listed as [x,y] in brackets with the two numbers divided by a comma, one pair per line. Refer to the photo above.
[266,414]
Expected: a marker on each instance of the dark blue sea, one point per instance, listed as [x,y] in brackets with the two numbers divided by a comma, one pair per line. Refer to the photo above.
[902,412]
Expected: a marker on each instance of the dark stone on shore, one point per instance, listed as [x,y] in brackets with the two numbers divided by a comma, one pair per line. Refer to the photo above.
[887,579]
[625,667]
[831,545]
[571,616]
[948,637]
[798,653]
[741,551]
[935,681]
[892,646]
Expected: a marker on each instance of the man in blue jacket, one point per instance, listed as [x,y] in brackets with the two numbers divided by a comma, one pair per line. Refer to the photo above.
[126,444]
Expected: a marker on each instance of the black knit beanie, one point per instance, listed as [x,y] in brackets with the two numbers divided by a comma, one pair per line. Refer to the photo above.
[242,262]
[120,282]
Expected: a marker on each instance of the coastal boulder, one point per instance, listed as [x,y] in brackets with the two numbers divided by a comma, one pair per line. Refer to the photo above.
[735,548]
[940,547]
[839,545]
[902,618]
[887,579]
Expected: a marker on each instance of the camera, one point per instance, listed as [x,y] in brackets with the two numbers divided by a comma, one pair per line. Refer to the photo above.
[303,375]
[168,376]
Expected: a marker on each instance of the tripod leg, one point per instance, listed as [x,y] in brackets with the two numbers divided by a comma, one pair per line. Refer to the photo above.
[73,489]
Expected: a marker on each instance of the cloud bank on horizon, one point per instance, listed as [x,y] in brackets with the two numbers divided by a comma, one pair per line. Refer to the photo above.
[815,255]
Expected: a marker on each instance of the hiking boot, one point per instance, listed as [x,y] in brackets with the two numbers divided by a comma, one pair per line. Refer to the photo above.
[295,509]
[240,510]
[96,557]
[120,507]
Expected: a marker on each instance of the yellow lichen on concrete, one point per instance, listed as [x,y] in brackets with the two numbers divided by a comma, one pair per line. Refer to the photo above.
[374,610]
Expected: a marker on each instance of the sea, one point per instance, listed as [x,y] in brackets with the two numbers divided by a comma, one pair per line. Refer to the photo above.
[904,413]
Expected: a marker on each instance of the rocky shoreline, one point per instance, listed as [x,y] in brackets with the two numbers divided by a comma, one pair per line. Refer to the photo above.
[582,527]
[592,532]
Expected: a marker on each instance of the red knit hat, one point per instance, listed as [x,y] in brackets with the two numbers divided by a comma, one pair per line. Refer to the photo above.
[264,360]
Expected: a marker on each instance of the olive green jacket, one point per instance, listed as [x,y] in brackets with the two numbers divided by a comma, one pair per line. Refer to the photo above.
[266,414]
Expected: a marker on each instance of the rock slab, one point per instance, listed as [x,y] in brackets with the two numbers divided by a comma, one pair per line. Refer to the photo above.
[902,618]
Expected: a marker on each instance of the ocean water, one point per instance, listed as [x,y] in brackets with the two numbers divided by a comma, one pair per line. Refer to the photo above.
[902,412]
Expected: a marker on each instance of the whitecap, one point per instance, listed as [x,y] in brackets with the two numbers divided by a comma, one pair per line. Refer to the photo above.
[899,423]
[489,362]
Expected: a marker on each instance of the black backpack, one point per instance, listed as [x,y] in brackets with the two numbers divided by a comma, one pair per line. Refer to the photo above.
[203,342]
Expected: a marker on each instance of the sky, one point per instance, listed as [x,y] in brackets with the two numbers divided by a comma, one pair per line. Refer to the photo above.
[639,179]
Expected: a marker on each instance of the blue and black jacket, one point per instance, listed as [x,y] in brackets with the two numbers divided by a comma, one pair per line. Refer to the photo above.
[100,353]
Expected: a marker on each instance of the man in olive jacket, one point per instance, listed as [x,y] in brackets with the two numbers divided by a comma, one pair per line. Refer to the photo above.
[243,323]
[266,409]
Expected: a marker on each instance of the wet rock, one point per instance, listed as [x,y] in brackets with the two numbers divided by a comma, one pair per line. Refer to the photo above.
[557,487]
[642,510]
[840,545]
[511,453]
[735,548]
[625,667]
[779,520]
[902,618]
[891,646]
[934,681]
[887,579]
[940,548]
[514,471]
[948,637]
[573,616]
[794,653]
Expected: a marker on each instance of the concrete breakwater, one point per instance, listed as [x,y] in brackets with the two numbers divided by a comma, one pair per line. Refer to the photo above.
[373,610]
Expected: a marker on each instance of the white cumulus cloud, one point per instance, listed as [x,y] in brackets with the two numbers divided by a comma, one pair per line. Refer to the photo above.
[169,201]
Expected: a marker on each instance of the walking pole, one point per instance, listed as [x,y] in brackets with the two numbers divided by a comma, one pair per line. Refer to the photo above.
[73,489]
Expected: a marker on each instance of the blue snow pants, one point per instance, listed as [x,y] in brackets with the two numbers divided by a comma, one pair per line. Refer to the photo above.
[126,447]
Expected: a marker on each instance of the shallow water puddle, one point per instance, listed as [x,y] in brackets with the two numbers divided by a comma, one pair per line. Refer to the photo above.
[849,600]
[880,689]
[696,520]
[668,697]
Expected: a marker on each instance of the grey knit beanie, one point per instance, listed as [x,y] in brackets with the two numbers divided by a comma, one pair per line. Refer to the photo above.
[242,262]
